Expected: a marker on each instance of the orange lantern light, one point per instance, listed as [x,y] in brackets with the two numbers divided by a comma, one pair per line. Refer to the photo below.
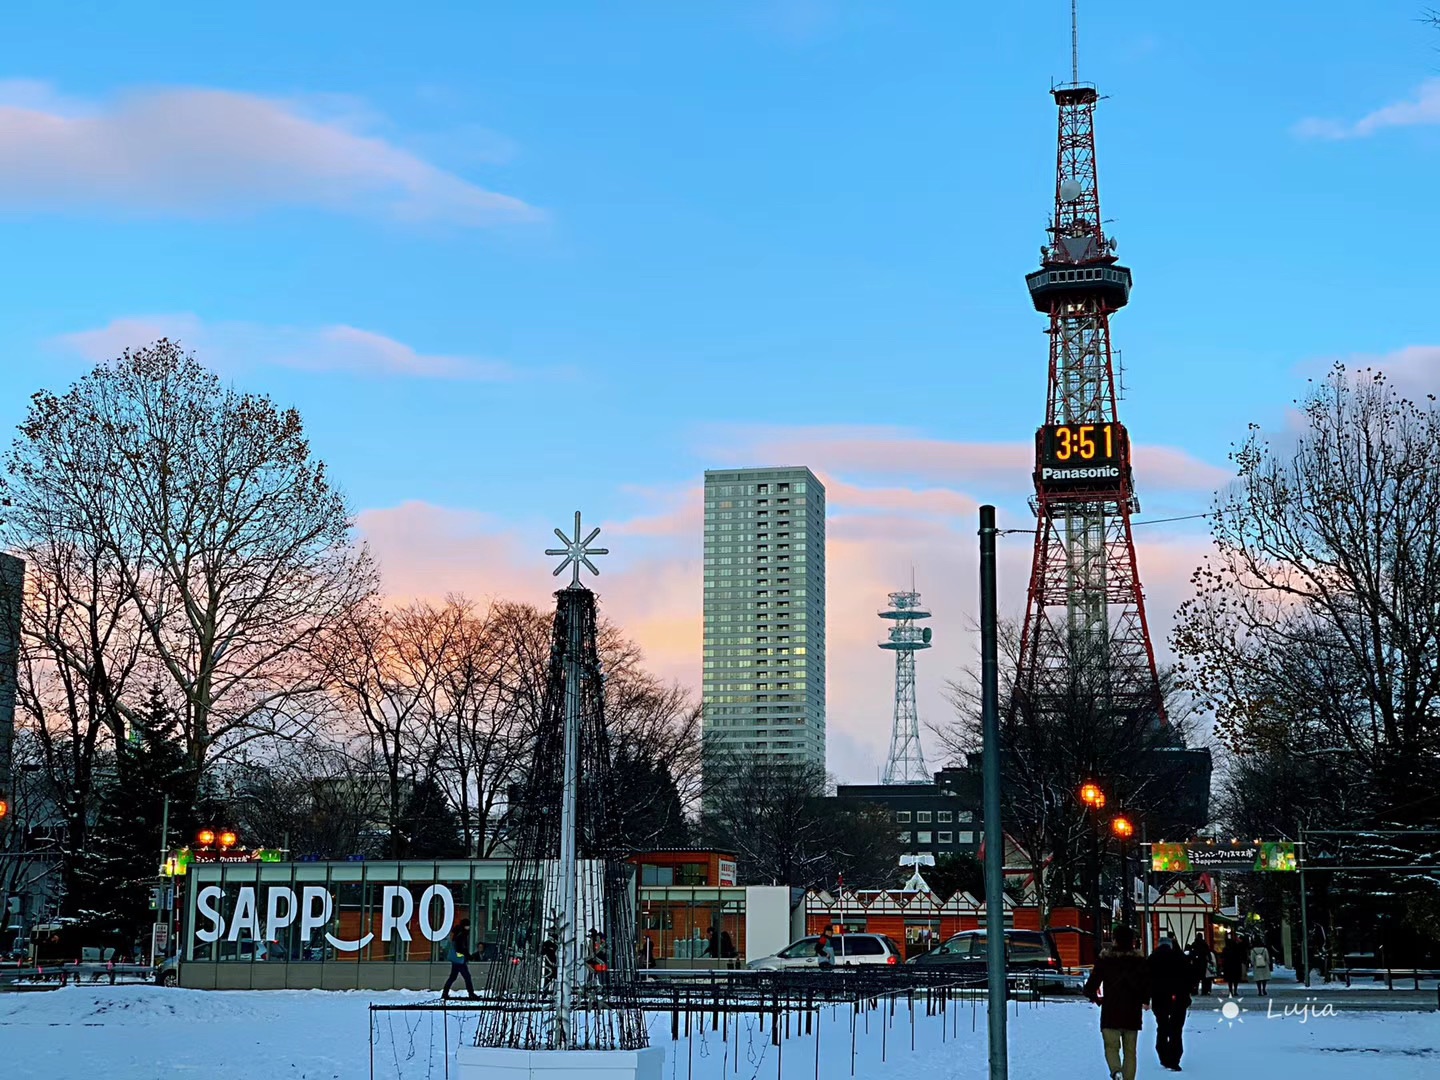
[206,837]
[1092,796]
[227,839]
[1122,828]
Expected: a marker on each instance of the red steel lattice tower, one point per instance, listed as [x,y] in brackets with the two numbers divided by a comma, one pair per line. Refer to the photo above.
[1085,603]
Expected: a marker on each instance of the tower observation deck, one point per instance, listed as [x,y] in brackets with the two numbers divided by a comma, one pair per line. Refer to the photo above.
[906,761]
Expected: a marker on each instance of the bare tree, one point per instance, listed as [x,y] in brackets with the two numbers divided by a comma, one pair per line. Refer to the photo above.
[387,667]
[777,819]
[1315,623]
[227,539]
[1052,746]
[313,795]
[81,636]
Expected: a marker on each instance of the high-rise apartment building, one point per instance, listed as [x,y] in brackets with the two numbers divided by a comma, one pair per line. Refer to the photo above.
[764,682]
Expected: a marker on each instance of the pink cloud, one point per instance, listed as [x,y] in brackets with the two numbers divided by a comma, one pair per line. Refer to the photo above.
[202,152]
[235,345]
[874,451]
[651,586]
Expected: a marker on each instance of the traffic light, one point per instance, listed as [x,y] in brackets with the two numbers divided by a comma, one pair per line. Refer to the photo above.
[157,898]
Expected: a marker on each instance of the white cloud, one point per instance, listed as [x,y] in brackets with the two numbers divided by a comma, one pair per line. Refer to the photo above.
[214,152]
[239,345]
[1422,109]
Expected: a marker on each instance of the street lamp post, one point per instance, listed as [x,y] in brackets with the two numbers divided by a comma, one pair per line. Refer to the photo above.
[1124,829]
[1094,801]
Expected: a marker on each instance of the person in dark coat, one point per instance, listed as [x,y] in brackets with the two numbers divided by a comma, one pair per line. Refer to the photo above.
[550,961]
[1120,985]
[1201,958]
[1233,961]
[459,958]
[1171,977]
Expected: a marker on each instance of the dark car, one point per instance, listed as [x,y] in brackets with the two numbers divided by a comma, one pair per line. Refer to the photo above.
[1026,952]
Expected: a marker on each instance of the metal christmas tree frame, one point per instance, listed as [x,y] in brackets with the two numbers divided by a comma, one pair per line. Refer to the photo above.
[564,979]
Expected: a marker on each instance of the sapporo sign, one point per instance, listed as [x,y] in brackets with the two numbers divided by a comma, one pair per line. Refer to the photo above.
[312,909]
[1265,856]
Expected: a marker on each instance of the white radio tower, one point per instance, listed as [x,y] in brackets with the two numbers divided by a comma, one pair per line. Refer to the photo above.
[906,764]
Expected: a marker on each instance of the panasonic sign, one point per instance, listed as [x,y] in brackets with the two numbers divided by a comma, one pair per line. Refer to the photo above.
[313,909]
[1098,472]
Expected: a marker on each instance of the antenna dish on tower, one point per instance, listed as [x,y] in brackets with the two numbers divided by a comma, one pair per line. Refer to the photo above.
[1069,190]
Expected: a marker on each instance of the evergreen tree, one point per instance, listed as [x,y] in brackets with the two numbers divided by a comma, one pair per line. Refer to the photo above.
[648,809]
[150,764]
[429,828]
[954,872]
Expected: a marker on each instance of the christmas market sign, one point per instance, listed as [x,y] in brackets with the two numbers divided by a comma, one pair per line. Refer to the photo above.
[1185,858]
[313,907]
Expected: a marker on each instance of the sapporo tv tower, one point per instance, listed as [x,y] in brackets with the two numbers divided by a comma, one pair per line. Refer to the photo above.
[1085,617]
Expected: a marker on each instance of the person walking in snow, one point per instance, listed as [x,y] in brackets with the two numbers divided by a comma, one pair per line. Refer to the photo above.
[459,959]
[1233,962]
[1260,967]
[1120,985]
[1202,964]
[1171,975]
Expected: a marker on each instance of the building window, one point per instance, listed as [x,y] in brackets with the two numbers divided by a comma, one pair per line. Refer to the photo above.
[923,817]
[947,838]
[967,838]
[904,837]
[965,815]
[944,817]
[902,817]
[922,838]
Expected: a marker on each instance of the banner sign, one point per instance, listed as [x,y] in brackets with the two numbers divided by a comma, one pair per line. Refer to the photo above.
[1186,858]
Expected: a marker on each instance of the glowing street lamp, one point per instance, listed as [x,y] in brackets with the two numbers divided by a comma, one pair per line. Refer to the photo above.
[1092,796]
[1122,828]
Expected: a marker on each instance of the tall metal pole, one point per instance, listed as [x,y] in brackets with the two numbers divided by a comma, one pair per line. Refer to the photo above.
[1095,908]
[1146,862]
[1304,913]
[567,869]
[994,835]
[162,915]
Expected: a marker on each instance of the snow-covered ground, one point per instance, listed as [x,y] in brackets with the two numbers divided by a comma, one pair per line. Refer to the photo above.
[145,1033]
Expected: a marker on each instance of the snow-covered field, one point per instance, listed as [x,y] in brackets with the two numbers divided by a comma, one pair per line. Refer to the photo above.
[144,1033]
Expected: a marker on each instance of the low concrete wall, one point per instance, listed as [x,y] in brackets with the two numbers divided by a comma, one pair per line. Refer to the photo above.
[269,975]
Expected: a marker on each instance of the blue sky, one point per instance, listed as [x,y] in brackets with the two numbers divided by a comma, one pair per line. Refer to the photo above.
[511,259]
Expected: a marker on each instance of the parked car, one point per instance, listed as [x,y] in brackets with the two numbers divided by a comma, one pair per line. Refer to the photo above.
[168,973]
[1026,952]
[850,949]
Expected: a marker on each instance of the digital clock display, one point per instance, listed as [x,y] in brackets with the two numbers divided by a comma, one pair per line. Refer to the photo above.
[1088,456]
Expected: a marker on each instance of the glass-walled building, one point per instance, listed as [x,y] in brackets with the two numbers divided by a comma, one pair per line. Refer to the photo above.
[764,640]
[334,925]
[250,925]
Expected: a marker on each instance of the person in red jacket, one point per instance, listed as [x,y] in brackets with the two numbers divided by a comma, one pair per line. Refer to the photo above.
[1120,985]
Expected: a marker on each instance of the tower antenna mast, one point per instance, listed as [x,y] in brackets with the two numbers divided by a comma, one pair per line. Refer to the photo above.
[906,762]
[1074,42]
